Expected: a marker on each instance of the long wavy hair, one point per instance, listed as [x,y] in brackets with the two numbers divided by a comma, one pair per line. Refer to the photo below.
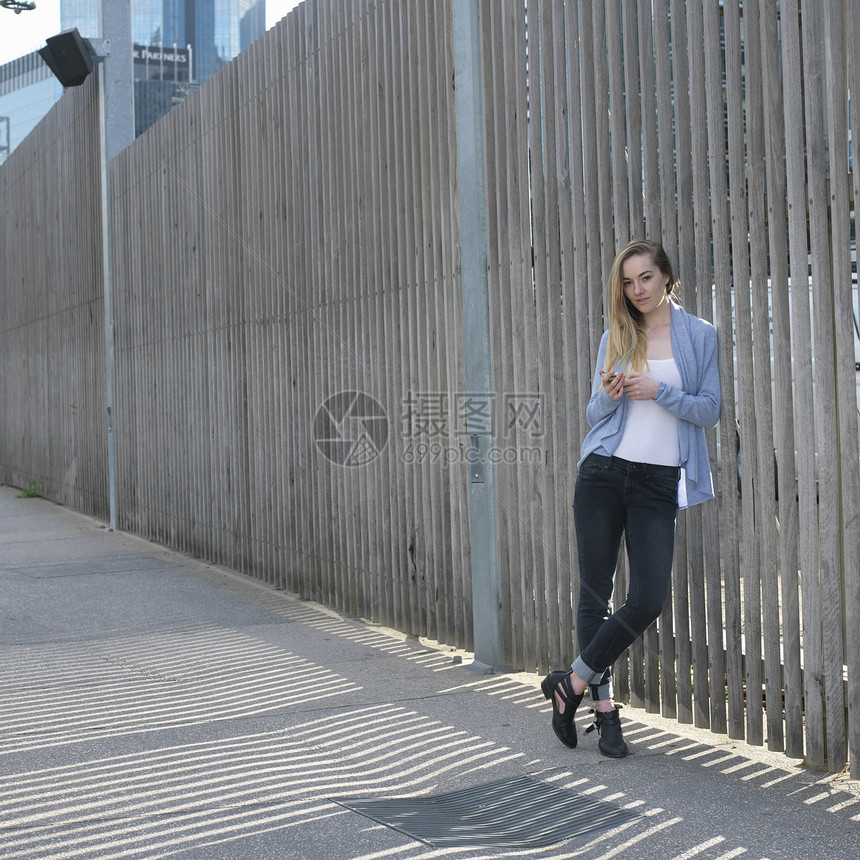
[627,339]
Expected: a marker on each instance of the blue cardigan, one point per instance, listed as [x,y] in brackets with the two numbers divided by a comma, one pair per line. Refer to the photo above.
[694,346]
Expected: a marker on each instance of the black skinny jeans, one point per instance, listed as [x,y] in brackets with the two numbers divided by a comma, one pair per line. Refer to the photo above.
[614,496]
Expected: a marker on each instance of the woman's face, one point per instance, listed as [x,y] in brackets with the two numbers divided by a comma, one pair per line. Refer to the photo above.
[645,286]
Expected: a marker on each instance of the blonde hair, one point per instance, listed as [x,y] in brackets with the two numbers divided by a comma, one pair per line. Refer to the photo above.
[627,339]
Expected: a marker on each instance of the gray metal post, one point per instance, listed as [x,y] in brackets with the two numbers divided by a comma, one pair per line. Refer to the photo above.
[116,132]
[483,530]
[115,27]
[110,384]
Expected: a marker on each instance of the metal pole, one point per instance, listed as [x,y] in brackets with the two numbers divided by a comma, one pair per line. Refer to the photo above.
[108,292]
[483,527]
[116,132]
[115,27]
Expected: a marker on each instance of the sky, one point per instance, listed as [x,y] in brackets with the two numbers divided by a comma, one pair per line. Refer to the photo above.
[27,31]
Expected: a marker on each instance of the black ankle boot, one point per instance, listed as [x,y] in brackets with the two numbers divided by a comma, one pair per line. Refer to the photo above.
[562,723]
[608,725]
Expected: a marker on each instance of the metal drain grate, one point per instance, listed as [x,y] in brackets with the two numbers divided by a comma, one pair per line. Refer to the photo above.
[519,812]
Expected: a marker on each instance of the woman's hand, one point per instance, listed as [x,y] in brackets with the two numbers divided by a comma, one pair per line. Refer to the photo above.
[613,384]
[638,386]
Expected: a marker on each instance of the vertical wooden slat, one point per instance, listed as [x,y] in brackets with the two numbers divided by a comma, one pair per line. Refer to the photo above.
[271,362]
[301,315]
[682,188]
[851,564]
[592,141]
[801,338]
[665,147]
[365,334]
[526,37]
[404,278]
[651,225]
[364,523]
[525,29]
[584,331]
[552,426]
[499,153]
[695,290]
[840,572]
[408,199]
[740,365]
[538,511]
[639,136]
[447,331]
[380,288]
[431,302]
[546,288]
[318,496]
[285,538]
[759,580]
[723,479]
[349,367]
[677,197]
[456,365]
[600,56]
[427,241]
[829,682]
[661,685]
[782,361]
[565,457]
[397,357]
[423,348]
[619,106]
[764,476]
[306,311]
[617,131]
[327,516]
[328,337]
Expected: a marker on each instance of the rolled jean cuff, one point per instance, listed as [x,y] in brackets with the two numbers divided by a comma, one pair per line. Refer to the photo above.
[601,692]
[586,672]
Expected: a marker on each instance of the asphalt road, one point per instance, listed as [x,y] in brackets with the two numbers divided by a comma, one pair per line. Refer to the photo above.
[152,705]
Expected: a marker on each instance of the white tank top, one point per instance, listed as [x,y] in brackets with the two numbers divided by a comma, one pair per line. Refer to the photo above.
[650,432]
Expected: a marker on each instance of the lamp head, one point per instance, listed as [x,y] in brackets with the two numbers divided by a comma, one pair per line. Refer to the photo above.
[68,57]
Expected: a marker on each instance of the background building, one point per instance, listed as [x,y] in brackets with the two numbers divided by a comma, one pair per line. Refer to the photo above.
[215,30]
[28,89]
[178,44]
[163,76]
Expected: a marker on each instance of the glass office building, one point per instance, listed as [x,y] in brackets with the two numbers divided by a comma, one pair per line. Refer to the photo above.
[178,44]
[216,30]
[28,90]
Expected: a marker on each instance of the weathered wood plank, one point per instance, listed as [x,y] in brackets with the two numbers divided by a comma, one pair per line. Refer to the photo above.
[850,536]
[499,153]
[839,571]
[722,524]
[784,438]
[742,365]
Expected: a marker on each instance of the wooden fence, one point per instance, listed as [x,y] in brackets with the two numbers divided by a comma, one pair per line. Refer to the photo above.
[52,343]
[289,340]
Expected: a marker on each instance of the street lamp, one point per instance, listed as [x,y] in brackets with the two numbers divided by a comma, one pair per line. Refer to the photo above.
[71,58]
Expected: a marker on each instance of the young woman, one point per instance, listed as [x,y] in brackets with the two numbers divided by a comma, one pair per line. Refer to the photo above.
[655,390]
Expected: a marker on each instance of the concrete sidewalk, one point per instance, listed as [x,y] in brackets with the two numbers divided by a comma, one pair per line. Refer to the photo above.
[155,706]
